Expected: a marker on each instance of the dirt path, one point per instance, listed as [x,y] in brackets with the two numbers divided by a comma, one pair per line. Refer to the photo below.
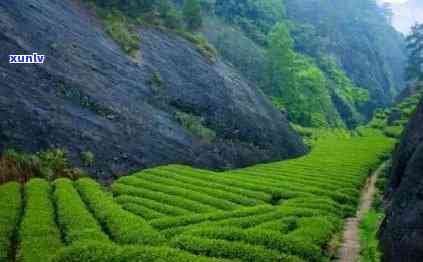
[350,248]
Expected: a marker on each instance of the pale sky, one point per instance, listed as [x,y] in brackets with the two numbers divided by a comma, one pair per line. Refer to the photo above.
[406,13]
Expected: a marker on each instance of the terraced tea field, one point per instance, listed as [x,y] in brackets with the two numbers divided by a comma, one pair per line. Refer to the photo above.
[281,211]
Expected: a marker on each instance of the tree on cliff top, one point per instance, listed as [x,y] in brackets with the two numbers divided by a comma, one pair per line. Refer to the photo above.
[415,57]
[192,14]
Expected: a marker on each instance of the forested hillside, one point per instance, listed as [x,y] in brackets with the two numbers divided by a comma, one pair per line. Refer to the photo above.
[338,60]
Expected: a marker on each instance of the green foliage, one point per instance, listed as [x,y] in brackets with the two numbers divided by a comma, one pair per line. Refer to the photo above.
[180,202]
[171,187]
[10,206]
[236,48]
[415,50]
[168,178]
[226,249]
[49,164]
[123,226]
[172,222]
[281,211]
[159,207]
[300,85]
[391,121]
[359,36]
[88,158]
[129,7]
[192,14]
[393,131]
[75,221]
[347,95]
[118,27]
[195,125]
[307,199]
[101,252]
[256,17]
[39,237]
[142,211]
[201,43]
[173,19]
[273,240]
[359,55]
[369,227]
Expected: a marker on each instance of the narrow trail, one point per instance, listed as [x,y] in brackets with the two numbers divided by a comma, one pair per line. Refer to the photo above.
[350,248]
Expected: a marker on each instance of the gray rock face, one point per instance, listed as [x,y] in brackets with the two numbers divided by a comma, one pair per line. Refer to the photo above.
[402,231]
[90,96]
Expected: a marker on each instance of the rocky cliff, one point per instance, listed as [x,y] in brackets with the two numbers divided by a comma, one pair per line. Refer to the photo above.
[90,96]
[402,231]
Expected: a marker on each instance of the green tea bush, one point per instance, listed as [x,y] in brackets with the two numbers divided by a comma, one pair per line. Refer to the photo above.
[10,206]
[166,178]
[226,249]
[282,226]
[254,185]
[307,199]
[317,230]
[123,226]
[141,211]
[101,252]
[207,179]
[161,185]
[233,194]
[39,237]
[75,220]
[325,204]
[171,222]
[180,202]
[272,240]
[255,220]
[159,207]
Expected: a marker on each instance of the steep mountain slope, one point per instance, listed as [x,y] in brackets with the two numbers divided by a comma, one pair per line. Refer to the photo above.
[90,96]
[401,234]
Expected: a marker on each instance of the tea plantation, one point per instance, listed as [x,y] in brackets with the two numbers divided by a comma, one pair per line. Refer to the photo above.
[282,211]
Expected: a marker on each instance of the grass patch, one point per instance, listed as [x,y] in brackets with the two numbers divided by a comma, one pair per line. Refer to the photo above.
[196,126]
[119,28]
[203,46]
[369,227]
